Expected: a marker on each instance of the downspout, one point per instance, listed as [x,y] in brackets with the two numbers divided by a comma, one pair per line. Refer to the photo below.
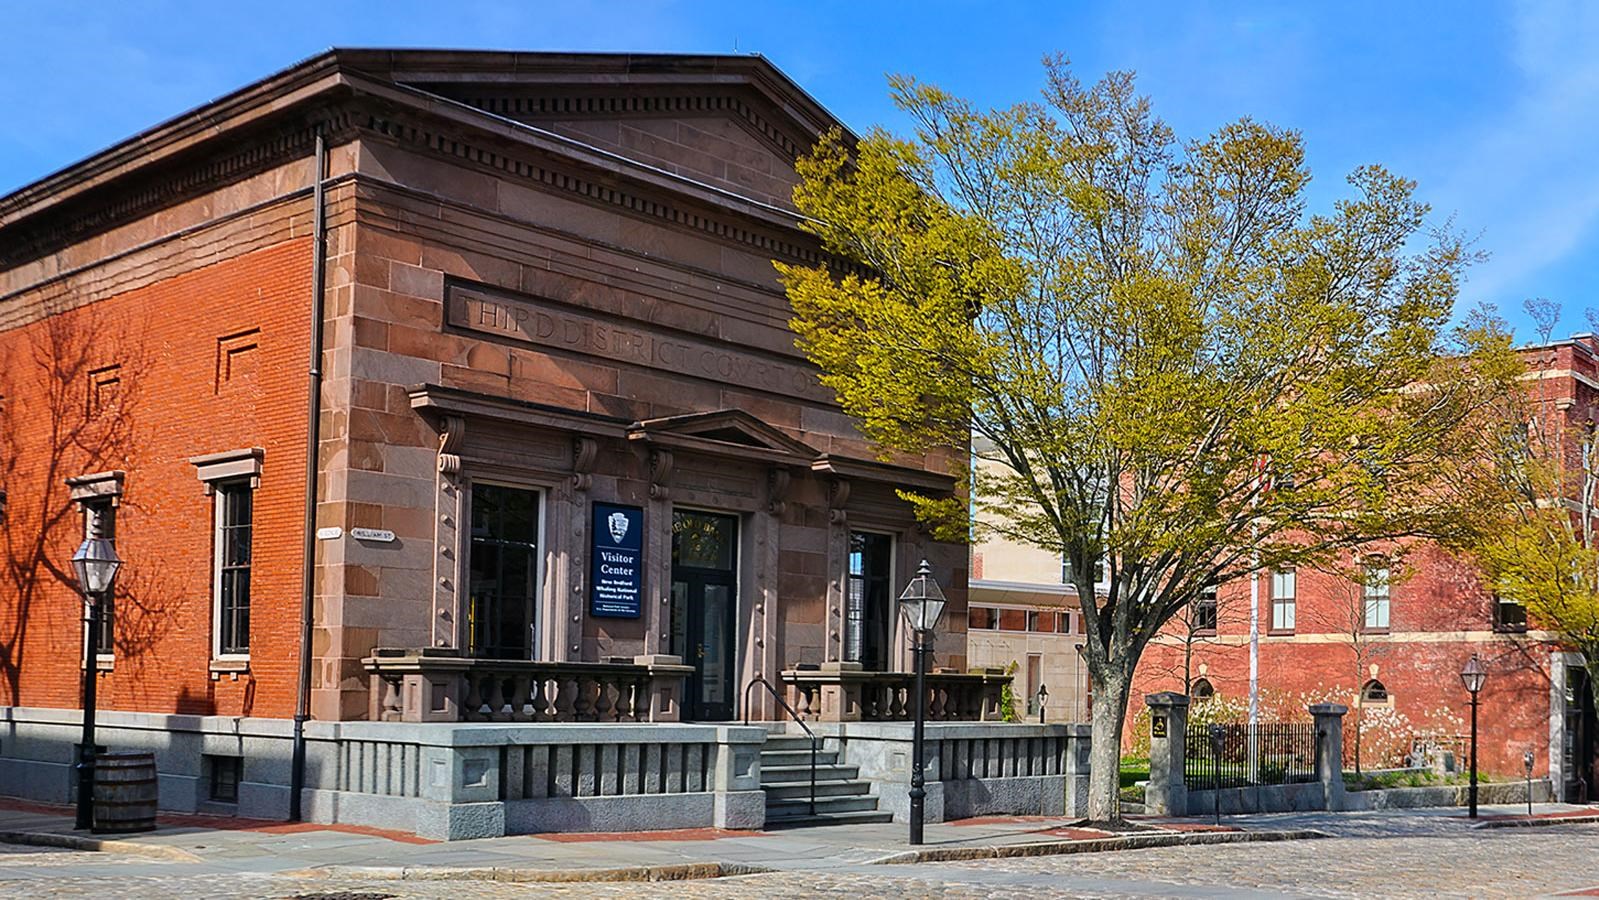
[302,708]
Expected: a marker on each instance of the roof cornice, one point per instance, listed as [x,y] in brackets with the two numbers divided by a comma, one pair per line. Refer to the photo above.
[380,73]
[253,102]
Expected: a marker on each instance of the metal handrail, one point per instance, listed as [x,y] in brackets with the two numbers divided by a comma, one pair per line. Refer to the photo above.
[761,680]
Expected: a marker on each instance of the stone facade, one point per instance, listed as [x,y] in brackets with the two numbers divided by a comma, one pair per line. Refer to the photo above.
[546,274]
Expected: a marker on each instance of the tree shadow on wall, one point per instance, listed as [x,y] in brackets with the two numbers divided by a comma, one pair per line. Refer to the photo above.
[68,386]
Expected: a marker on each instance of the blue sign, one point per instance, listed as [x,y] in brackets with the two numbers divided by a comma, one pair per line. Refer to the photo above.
[616,561]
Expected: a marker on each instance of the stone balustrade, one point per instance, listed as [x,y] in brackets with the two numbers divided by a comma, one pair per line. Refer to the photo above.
[843,692]
[442,686]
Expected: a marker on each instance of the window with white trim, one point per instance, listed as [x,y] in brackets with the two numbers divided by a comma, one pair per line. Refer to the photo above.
[235,521]
[1205,616]
[231,478]
[99,520]
[97,496]
[1284,599]
[1376,606]
[1101,574]
[1509,615]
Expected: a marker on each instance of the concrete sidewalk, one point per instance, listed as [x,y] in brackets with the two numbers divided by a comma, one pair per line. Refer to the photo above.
[200,843]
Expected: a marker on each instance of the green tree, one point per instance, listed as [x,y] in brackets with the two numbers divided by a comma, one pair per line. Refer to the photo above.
[1539,540]
[1177,367]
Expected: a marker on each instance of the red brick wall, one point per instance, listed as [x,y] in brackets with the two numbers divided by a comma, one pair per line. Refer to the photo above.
[1439,616]
[210,360]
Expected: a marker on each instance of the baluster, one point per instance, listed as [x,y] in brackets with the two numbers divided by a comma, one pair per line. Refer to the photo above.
[896,703]
[629,691]
[496,698]
[473,708]
[602,700]
[521,709]
[565,690]
[391,705]
[802,693]
[542,709]
[583,710]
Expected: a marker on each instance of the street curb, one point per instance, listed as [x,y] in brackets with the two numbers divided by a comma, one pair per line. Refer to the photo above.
[673,872]
[1539,822]
[1096,845]
[76,842]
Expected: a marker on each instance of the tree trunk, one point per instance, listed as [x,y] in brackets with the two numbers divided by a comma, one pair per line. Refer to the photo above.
[1105,747]
[1360,726]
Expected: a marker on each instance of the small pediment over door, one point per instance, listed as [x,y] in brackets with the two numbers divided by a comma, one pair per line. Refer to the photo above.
[727,432]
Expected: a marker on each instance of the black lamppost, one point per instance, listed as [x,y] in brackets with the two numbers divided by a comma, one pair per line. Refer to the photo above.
[922,603]
[1474,674]
[1043,698]
[95,564]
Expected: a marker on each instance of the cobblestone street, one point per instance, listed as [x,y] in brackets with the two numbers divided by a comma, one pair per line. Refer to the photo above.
[1517,862]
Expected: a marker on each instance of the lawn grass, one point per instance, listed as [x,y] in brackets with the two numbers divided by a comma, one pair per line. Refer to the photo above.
[1376,781]
[1134,770]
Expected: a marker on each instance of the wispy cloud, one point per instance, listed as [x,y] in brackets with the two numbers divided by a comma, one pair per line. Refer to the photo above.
[1526,177]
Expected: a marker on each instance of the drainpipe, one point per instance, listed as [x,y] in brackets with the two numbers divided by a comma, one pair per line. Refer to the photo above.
[302,708]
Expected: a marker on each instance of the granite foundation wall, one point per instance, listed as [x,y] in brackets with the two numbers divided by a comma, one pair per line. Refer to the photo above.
[1448,795]
[971,768]
[1258,798]
[441,780]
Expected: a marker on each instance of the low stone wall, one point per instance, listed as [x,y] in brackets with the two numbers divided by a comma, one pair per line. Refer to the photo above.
[972,769]
[1448,795]
[1258,798]
[442,780]
[38,750]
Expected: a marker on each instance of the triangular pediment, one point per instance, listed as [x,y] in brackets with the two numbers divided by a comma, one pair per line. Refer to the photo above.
[731,122]
[731,432]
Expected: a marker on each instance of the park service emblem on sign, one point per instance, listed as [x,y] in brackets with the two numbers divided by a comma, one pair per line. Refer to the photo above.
[618,524]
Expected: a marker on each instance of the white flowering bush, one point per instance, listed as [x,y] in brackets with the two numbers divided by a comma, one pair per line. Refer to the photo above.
[1387,736]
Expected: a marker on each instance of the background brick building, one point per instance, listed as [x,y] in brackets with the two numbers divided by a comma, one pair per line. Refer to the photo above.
[1394,654]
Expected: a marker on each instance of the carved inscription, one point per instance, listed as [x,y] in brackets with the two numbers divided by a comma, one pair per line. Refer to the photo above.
[547,325]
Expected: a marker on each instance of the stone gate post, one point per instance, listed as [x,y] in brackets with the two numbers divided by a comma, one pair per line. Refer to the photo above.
[1167,794]
[1329,719]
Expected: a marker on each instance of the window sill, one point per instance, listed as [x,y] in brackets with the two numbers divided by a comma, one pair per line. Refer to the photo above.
[1205,633]
[1280,632]
[1510,629]
[230,667]
[1374,630]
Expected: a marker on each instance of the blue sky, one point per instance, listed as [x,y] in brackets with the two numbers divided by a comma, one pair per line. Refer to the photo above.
[1492,106]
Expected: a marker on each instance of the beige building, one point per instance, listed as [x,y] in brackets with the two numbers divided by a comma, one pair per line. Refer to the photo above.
[1022,613]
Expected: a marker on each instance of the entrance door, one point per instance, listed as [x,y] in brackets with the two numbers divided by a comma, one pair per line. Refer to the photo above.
[705,610]
[1581,746]
[503,573]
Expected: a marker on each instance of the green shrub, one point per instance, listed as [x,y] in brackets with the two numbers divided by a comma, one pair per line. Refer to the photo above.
[1007,696]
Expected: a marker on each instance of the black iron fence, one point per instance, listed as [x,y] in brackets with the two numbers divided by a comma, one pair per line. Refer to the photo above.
[1265,753]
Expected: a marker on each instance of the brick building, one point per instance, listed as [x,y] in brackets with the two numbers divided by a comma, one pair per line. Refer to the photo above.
[1388,632]
[568,464]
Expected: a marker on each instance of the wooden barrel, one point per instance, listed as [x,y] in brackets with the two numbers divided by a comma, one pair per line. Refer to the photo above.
[124,792]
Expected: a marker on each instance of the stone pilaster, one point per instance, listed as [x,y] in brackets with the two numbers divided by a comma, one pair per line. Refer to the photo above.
[1167,794]
[1329,719]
